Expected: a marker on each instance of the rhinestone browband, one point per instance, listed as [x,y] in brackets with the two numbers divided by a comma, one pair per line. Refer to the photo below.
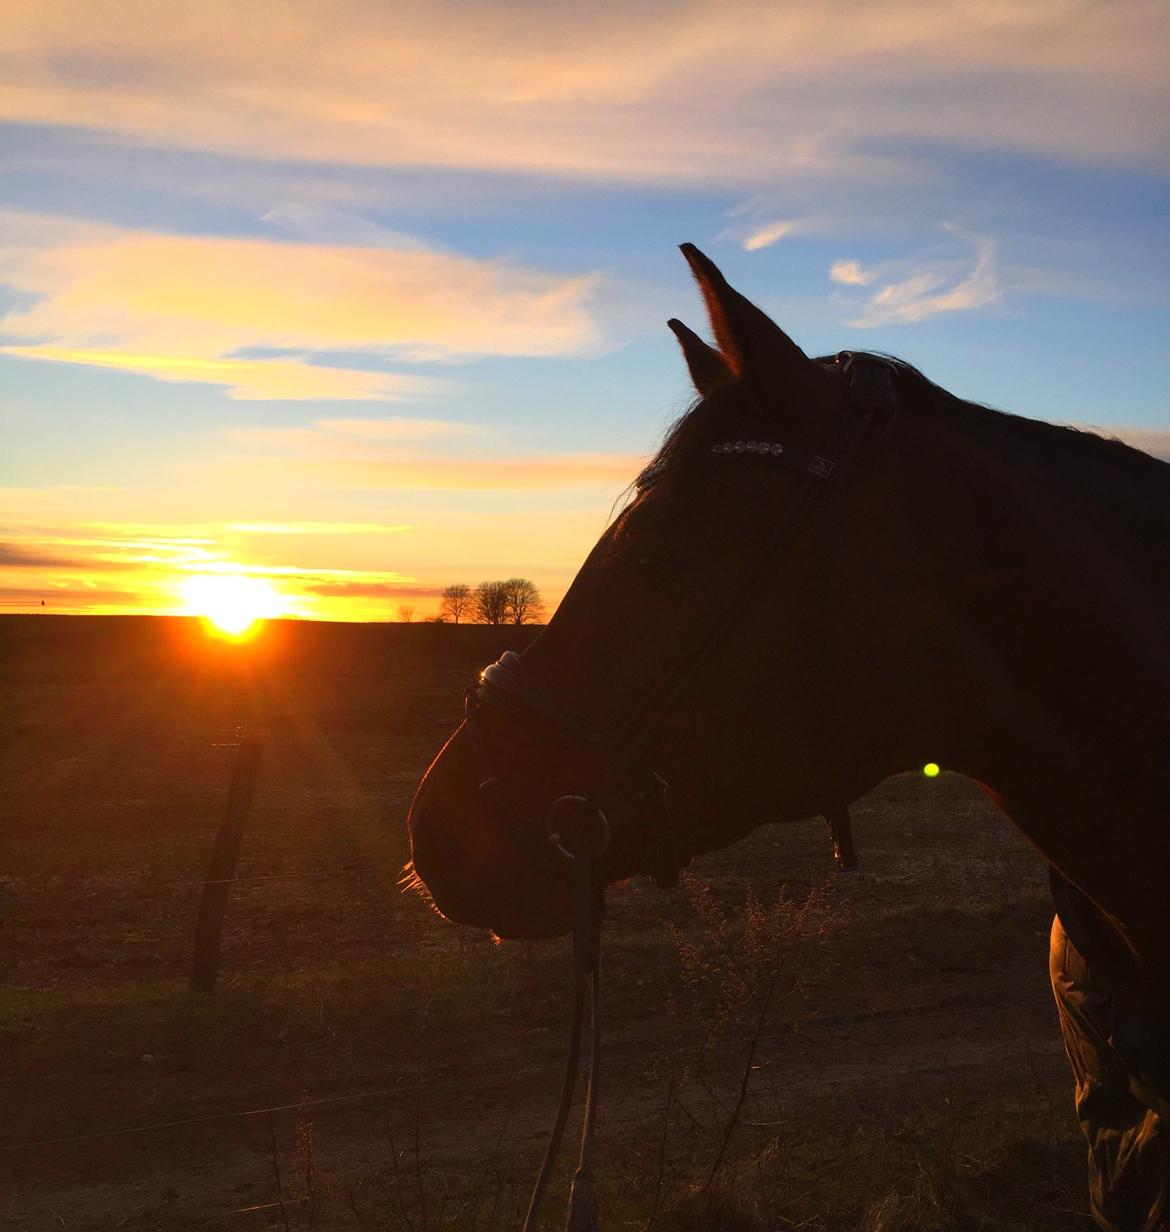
[812,464]
[815,465]
[763,448]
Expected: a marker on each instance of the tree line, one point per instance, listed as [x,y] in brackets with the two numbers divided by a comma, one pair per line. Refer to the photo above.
[514,601]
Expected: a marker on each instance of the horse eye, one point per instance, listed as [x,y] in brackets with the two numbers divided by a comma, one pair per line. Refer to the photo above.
[655,566]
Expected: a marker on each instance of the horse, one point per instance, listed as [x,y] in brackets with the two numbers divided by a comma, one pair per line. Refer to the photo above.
[834,571]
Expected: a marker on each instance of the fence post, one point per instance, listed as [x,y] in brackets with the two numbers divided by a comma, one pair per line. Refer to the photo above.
[222,869]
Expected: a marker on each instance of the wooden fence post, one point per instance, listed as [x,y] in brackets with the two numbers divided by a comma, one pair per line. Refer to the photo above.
[222,869]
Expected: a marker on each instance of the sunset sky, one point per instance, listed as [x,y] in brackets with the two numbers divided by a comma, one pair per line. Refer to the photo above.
[365,299]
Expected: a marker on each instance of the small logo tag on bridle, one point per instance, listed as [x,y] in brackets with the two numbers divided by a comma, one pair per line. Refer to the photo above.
[822,468]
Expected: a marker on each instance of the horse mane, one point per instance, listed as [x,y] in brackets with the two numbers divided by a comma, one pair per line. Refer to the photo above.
[1057,444]
[1077,453]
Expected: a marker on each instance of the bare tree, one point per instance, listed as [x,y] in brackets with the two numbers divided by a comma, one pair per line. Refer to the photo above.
[457,603]
[522,602]
[490,603]
[405,613]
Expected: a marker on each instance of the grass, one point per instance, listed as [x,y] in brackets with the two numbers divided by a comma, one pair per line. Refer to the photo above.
[785,1048]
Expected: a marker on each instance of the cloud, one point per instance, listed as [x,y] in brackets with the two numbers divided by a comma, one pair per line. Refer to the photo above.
[549,473]
[15,556]
[298,535]
[554,473]
[246,379]
[373,590]
[929,290]
[850,274]
[189,308]
[371,431]
[68,565]
[399,454]
[65,598]
[768,234]
[402,429]
[671,93]
[1154,441]
[339,227]
[314,528]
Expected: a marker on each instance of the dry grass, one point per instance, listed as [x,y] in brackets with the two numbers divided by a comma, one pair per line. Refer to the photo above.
[785,1049]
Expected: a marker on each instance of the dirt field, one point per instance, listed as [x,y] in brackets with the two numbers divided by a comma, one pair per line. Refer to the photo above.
[366,1065]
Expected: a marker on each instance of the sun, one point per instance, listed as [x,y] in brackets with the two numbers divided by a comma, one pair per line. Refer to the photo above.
[232,603]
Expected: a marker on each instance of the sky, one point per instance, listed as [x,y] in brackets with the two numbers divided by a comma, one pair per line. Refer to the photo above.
[362,299]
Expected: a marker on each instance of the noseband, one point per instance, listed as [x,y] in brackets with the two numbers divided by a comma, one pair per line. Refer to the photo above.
[577,830]
[573,821]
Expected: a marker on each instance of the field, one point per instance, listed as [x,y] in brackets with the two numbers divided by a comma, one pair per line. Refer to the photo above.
[872,1051]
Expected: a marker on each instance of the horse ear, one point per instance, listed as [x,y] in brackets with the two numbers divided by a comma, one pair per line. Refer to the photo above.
[754,346]
[707,367]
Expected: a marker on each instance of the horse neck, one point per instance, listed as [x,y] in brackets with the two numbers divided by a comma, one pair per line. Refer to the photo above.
[1045,671]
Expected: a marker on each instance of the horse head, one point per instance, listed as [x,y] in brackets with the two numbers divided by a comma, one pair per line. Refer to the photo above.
[701,676]
[798,602]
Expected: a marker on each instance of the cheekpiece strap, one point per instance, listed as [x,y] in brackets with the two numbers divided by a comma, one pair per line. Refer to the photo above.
[871,385]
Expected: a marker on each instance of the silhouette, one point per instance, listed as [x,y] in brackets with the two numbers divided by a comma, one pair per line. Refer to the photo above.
[489,603]
[522,602]
[832,572]
[514,601]
[456,602]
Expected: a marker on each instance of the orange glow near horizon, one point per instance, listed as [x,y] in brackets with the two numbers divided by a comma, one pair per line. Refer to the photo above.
[232,605]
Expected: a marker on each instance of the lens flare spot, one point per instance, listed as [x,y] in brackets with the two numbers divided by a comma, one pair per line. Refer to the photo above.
[931,770]
[232,604]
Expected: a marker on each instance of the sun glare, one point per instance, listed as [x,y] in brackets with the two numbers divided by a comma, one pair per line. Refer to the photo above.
[232,604]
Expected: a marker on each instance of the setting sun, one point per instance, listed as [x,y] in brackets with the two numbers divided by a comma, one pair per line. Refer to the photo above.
[232,603]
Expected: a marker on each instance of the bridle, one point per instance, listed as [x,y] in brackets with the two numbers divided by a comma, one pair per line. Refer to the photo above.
[508,686]
[576,826]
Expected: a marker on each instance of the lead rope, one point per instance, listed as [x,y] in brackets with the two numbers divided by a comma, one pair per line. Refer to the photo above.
[587,911]
[582,1195]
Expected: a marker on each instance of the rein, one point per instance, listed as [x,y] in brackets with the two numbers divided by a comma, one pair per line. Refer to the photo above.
[588,907]
[572,846]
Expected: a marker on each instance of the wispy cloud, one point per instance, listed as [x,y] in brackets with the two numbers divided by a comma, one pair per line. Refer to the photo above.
[767,235]
[181,547]
[373,590]
[404,430]
[400,454]
[916,292]
[345,434]
[328,567]
[69,566]
[471,85]
[850,274]
[76,550]
[1154,441]
[189,308]
[549,473]
[316,225]
[43,556]
[759,222]
[91,599]
[314,528]
[418,472]
[245,379]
